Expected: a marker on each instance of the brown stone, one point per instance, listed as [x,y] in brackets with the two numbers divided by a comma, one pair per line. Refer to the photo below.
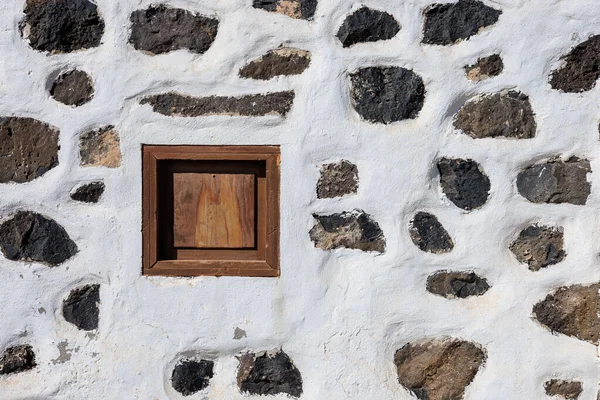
[438,369]
[337,179]
[282,61]
[100,148]
[73,88]
[539,246]
[351,230]
[484,68]
[461,285]
[299,9]
[569,390]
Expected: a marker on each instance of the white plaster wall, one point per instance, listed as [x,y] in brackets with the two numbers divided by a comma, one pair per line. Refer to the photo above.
[340,315]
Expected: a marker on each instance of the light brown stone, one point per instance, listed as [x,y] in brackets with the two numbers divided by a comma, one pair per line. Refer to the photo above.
[100,148]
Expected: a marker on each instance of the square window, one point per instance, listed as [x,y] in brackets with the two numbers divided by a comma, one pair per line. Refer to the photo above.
[210,210]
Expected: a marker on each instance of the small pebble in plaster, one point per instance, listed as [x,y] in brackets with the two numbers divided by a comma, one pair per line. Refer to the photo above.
[42,310]
[568,390]
[191,376]
[386,94]
[160,29]
[572,311]
[539,246]
[278,62]
[507,114]
[485,68]
[89,192]
[299,9]
[29,149]
[178,105]
[268,373]
[64,353]
[239,334]
[29,236]
[556,181]
[81,307]
[439,369]
[580,69]
[448,23]
[73,88]
[428,234]
[100,148]
[351,230]
[62,26]
[367,25]
[17,359]
[461,285]
[337,179]
[463,182]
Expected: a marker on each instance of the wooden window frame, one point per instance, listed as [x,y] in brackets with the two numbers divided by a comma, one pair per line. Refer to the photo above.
[261,261]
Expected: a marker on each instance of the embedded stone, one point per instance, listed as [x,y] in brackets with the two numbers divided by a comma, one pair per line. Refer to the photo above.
[569,390]
[298,9]
[278,62]
[88,193]
[428,234]
[17,359]
[448,23]
[268,373]
[461,285]
[191,376]
[73,88]
[485,68]
[29,236]
[464,183]
[580,69]
[556,181]
[539,246]
[367,25]
[572,311]
[100,148]
[62,26]
[504,114]
[178,105]
[161,29]
[438,369]
[387,94]
[351,230]
[29,149]
[337,179]
[82,309]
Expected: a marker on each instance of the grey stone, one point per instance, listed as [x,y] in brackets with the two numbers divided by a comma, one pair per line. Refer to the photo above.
[351,230]
[17,359]
[569,390]
[191,376]
[464,183]
[278,62]
[299,9]
[89,192]
[82,309]
[452,285]
[539,246]
[367,25]
[269,374]
[428,234]
[485,67]
[337,179]
[581,68]
[73,88]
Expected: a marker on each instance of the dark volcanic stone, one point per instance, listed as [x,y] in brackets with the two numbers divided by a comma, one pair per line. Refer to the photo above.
[485,67]
[73,88]
[581,68]
[438,369]
[504,114]
[539,246]
[29,149]
[88,193]
[556,181]
[463,182]
[282,61]
[337,179]
[81,307]
[191,376]
[367,25]
[62,26]
[460,285]
[449,23]
[29,236]
[352,230]
[268,374]
[159,29]
[387,94]
[299,9]
[572,311]
[428,234]
[569,390]
[17,359]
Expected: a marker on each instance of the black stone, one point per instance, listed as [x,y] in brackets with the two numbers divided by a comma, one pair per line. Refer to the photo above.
[29,236]
[581,68]
[351,230]
[428,234]
[269,375]
[464,183]
[89,193]
[17,359]
[387,94]
[190,376]
[447,23]
[457,284]
[81,308]
[73,88]
[367,25]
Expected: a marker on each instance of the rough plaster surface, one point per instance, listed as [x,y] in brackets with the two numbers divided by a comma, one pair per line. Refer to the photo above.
[339,315]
